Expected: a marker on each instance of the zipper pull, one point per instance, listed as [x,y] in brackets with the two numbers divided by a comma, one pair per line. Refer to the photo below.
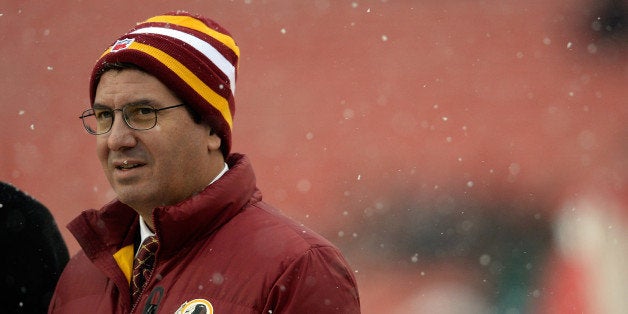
[152,304]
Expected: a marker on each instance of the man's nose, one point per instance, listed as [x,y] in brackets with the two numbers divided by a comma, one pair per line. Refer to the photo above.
[121,134]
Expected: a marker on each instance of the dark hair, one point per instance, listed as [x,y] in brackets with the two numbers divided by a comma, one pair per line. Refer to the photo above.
[117,66]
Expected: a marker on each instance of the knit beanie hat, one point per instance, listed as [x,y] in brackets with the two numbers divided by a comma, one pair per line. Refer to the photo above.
[193,56]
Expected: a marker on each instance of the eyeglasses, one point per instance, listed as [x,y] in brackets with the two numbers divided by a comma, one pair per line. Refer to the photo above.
[98,121]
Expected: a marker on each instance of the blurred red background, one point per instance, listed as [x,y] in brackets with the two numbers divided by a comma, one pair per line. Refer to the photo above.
[356,110]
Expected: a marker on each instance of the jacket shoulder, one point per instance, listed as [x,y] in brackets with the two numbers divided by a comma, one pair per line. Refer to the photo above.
[273,230]
[80,286]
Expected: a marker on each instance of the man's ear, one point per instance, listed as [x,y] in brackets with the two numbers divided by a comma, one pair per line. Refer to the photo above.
[213,141]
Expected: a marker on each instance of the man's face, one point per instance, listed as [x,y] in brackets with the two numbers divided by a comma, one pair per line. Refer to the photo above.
[160,166]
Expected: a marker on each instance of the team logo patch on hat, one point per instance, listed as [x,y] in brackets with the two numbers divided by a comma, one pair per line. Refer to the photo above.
[196,306]
[122,44]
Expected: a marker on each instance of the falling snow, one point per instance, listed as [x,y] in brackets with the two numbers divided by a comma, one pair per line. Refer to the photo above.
[493,110]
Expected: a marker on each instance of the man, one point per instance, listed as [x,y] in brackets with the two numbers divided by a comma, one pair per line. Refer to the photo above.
[187,209]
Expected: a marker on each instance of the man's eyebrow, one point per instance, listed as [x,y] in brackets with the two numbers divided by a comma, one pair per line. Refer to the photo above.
[100,106]
[132,103]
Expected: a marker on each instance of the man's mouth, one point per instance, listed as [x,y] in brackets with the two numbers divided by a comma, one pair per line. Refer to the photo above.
[126,165]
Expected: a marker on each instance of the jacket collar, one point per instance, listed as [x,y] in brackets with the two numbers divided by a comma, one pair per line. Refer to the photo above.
[207,211]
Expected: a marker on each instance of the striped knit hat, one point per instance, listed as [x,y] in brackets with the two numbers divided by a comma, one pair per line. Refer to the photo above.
[193,56]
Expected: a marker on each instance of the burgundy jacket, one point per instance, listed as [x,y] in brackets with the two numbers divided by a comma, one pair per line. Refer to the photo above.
[221,251]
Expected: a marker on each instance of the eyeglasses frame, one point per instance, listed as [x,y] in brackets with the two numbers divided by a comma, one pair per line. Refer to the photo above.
[90,112]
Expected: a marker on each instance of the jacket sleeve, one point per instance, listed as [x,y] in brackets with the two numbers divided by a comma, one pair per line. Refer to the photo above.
[320,281]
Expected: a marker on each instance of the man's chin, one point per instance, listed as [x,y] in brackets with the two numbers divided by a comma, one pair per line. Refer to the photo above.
[133,196]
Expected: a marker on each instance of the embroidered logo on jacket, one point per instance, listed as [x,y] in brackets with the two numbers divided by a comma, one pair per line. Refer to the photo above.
[196,306]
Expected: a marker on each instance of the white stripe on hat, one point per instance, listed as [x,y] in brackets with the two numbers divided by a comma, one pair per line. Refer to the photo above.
[202,46]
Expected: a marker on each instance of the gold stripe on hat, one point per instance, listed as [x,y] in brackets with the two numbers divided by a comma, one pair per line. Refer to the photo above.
[213,98]
[190,22]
